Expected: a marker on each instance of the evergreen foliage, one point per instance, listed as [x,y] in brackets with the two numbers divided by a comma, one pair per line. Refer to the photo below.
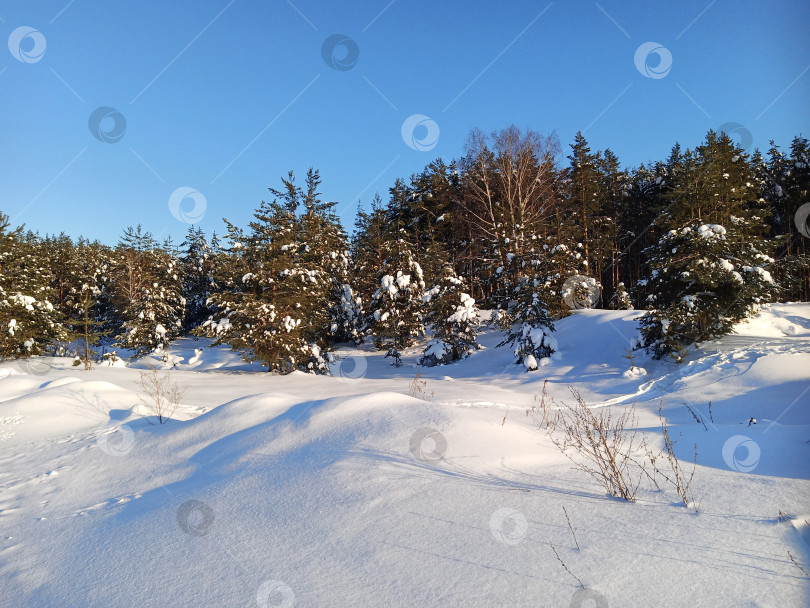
[701,239]
[453,316]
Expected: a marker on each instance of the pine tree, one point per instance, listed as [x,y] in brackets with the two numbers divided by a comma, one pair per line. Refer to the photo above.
[711,269]
[621,299]
[148,293]
[324,250]
[396,306]
[87,300]
[453,316]
[370,248]
[784,185]
[528,324]
[703,284]
[197,266]
[279,286]
[585,189]
[29,322]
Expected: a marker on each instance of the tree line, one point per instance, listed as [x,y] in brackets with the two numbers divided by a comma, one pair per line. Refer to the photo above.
[699,241]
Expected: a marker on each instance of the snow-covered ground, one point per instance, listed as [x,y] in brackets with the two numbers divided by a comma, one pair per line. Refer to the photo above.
[369,488]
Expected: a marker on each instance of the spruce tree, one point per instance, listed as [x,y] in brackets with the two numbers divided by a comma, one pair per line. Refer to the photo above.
[197,264]
[148,292]
[29,322]
[279,286]
[396,306]
[528,323]
[621,299]
[453,316]
[703,283]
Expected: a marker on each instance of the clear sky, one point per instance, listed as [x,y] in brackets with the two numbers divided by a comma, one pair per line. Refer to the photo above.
[209,102]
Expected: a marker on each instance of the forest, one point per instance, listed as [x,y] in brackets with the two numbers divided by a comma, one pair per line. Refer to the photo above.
[697,241]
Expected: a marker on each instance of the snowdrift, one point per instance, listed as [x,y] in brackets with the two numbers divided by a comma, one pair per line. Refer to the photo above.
[368,488]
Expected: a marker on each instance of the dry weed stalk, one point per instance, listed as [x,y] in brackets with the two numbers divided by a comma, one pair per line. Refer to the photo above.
[570,527]
[159,394]
[608,444]
[678,478]
[609,448]
[559,559]
[417,388]
[797,564]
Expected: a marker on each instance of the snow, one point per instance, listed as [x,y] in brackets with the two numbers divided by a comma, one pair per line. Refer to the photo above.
[709,231]
[436,348]
[358,490]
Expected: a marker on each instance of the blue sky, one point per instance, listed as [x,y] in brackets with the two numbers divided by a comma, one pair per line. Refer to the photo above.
[211,101]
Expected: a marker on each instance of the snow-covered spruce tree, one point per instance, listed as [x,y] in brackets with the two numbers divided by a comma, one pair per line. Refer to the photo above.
[274,307]
[621,299]
[28,320]
[703,284]
[560,264]
[324,250]
[453,316]
[369,249]
[784,183]
[529,325]
[197,264]
[396,306]
[148,291]
[711,268]
[87,299]
[346,315]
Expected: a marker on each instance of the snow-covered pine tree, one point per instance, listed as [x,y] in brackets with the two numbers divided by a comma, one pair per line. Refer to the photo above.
[432,200]
[621,299]
[274,307]
[711,269]
[642,202]
[585,189]
[453,316]
[148,290]
[703,284]
[28,320]
[197,264]
[369,249]
[606,249]
[346,315]
[324,250]
[87,301]
[558,262]
[784,183]
[529,325]
[395,316]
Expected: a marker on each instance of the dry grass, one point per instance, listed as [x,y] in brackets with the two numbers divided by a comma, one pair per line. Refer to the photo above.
[609,448]
[159,394]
